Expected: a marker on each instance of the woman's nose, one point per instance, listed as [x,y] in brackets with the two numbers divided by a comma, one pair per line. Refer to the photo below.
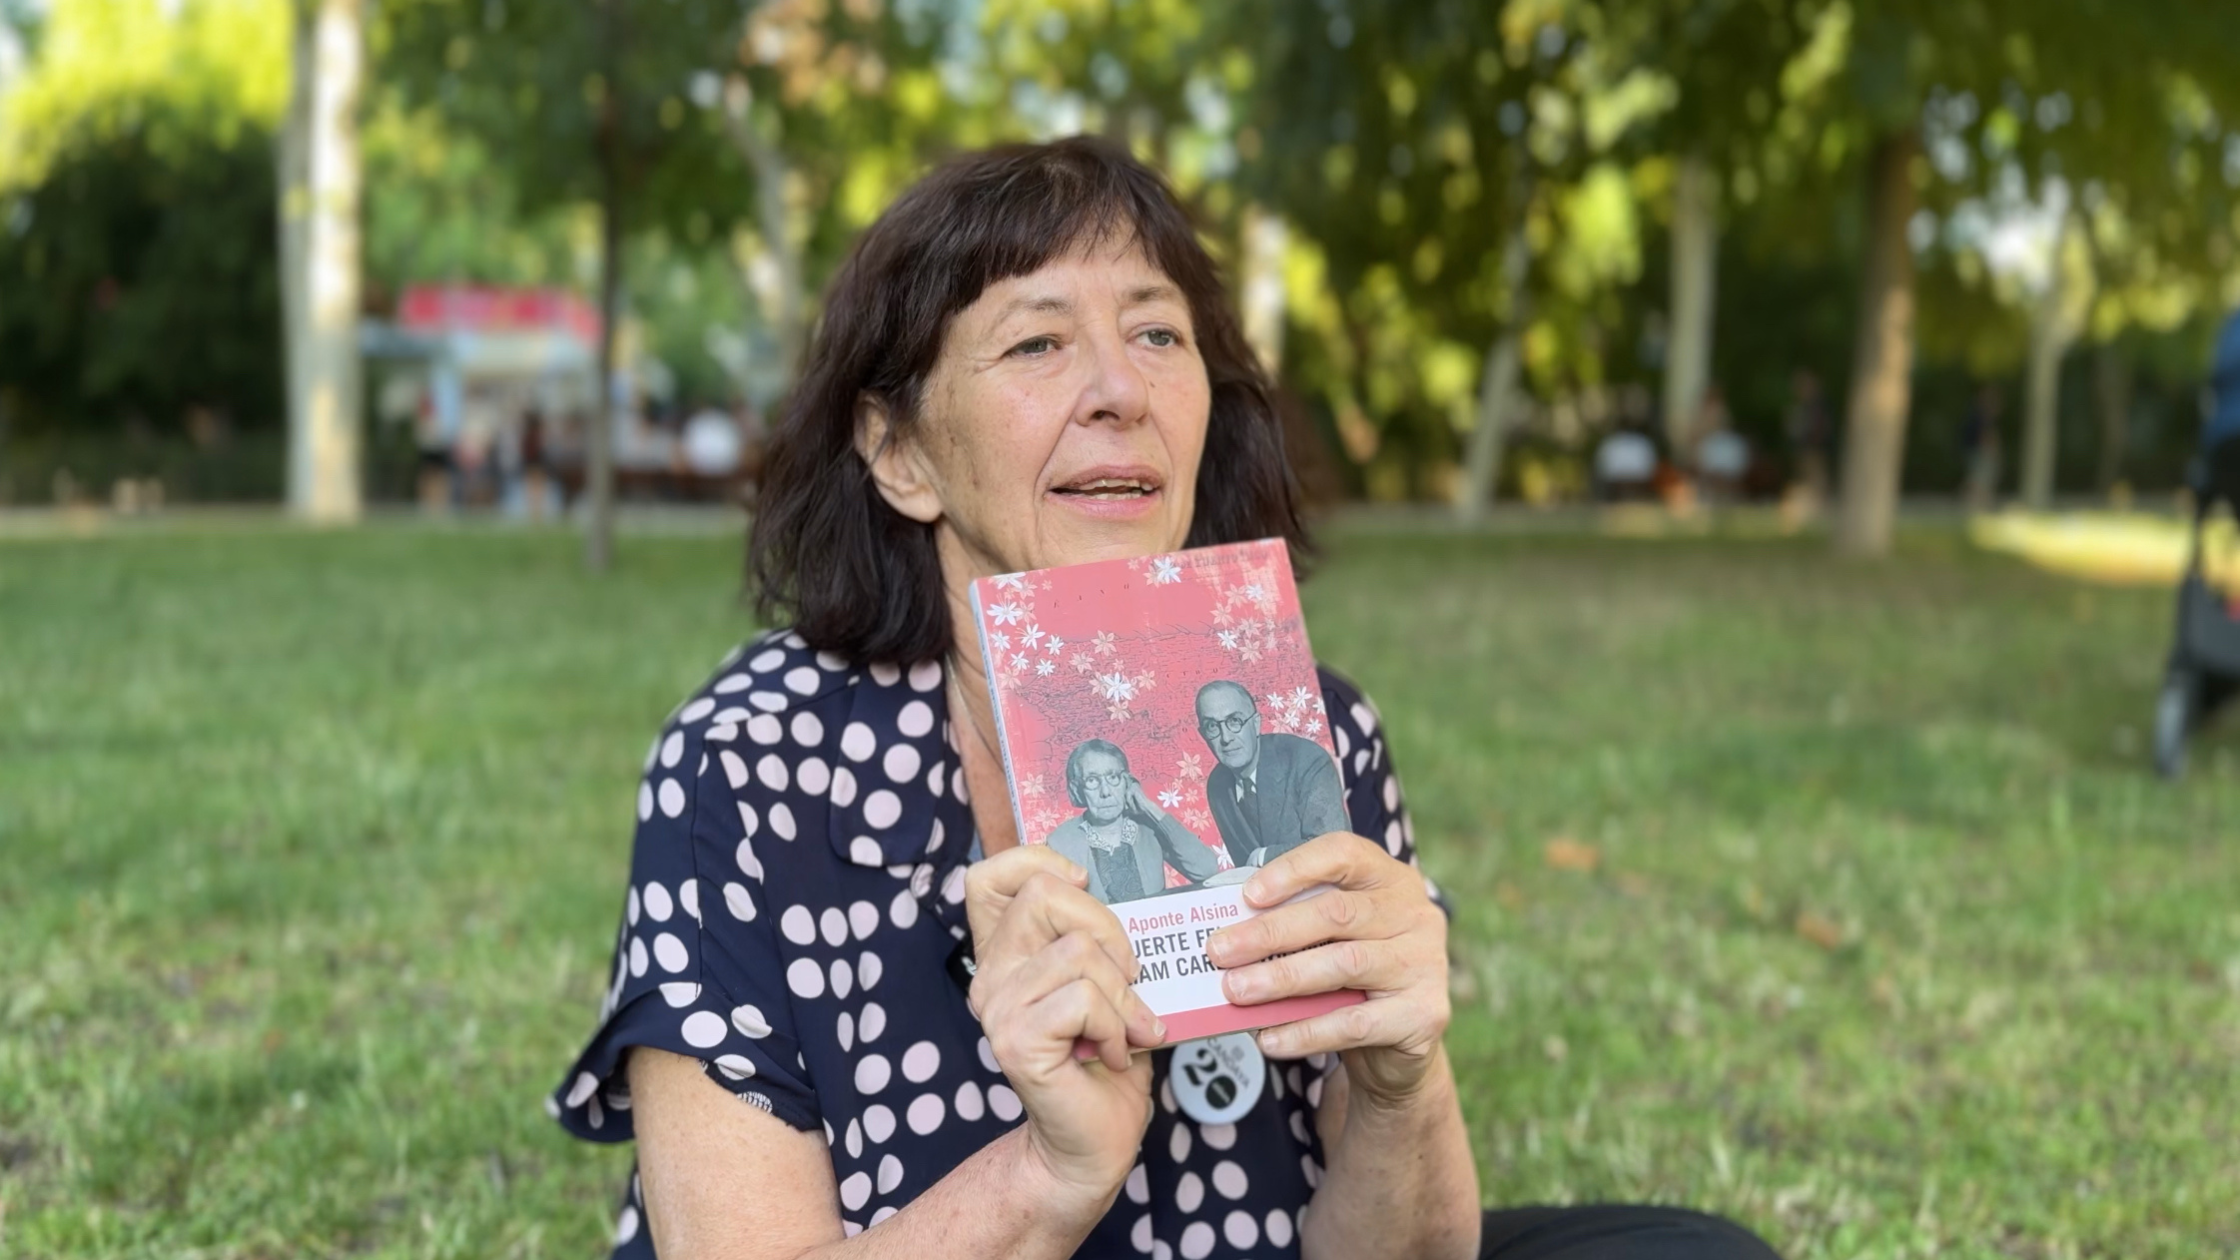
[1116,389]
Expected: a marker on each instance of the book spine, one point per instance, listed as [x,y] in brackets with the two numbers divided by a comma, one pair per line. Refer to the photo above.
[995,705]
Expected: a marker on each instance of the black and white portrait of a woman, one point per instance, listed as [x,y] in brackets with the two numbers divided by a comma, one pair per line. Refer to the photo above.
[1121,836]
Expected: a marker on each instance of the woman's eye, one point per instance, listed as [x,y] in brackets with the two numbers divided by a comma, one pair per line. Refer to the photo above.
[1164,337]
[1035,346]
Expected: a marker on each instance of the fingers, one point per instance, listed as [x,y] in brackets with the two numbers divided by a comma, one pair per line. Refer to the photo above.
[1370,966]
[1338,857]
[1035,1013]
[1337,914]
[1043,911]
[1409,1025]
[992,883]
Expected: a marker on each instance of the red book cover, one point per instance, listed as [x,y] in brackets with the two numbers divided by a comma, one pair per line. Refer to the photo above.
[1163,727]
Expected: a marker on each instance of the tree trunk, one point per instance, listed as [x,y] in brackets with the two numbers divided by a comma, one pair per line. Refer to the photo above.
[1882,357]
[598,446]
[1497,381]
[1695,279]
[2111,382]
[1266,238]
[2051,331]
[323,465]
[781,293]
[292,163]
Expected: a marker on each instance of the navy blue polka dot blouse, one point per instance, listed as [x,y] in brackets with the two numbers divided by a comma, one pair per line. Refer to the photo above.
[796,889]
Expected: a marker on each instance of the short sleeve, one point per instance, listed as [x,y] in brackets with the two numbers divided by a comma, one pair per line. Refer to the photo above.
[693,911]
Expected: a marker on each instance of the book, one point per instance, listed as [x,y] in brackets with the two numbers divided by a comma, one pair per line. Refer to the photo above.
[1162,725]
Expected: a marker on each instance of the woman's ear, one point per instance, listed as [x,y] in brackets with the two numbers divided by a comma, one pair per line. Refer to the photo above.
[895,464]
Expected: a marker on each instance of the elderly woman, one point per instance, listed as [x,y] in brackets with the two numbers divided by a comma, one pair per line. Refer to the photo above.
[1121,837]
[1027,361]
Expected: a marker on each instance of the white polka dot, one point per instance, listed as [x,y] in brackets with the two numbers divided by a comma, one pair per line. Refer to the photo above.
[749,1021]
[772,701]
[1218,1136]
[1139,1189]
[798,925]
[1178,1146]
[813,775]
[696,710]
[670,952]
[670,797]
[586,1084]
[847,1032]
[632,907]
[645,801]
[1345,746]
[1314,1092]
[901,763]
[882,808]
[890,1174]
[771,770]
[869,969]
[1230,1180]
[1197,1241]
[903,910]
[843,786]
[732,716]
[803,977]
[626,1227]
[884,1213]
[960,790]
[865,851]
[637,957]
[734,767]
[933,785]
[857,741]
[680,993]
[854,1141]
[843,978]
[657,902]
[926,1111]
[885,675]
[1190,1192]
[736,1066]
[832,661]
[1241,1230]
[1360,760]
[834,921]
[1312,1170]
[672,748]
[1161,1251]
[921,1061]
[688,896]
[1279,1228]
[915,719]
[802,680]
[863,919]
[987,1056]
[1003,1103]
[921,878]
[1166,1097]
[731,683]
[1392,837]
[856,1191]
[925,675]
[1391,792]
[878,1122]
[766,660]
[1139,1235]
[808,730]
[764,729]
[748,822]
[736,900]
[1298,1124]
[781,820]
[969,1104]
[594,1114]
[703,1030]
[872,1073]
[1363,717]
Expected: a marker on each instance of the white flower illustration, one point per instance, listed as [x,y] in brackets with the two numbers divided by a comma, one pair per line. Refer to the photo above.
[1170,798]
[1165,571]
[1115,686]
[1006,614]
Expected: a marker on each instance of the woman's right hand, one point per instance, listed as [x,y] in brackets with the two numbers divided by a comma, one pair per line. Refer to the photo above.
[1053,968]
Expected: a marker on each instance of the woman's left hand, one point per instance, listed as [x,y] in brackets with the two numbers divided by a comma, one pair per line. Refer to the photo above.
[1375,930]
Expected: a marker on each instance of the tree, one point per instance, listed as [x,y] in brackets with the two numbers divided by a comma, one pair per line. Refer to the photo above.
[320,261]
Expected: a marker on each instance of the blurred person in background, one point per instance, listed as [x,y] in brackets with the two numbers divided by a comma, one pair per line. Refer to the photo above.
[1980,448]
[1810,435]
[847,1000]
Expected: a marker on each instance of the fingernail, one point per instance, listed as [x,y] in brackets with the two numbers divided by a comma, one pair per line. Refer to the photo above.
[1243,986]
[1255,889]
[1271,1045]
[1158,1028]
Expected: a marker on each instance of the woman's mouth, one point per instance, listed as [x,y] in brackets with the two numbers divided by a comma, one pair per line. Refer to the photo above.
[1109,489]
[1121,493]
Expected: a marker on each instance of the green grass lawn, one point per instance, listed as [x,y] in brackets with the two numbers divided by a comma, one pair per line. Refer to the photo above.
[313,847]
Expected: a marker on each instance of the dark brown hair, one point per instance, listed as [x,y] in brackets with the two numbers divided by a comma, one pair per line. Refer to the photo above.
[855,576]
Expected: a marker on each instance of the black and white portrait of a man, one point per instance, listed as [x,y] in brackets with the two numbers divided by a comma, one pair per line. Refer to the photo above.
[1270,792]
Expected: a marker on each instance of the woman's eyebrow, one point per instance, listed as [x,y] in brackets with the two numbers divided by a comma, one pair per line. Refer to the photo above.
[1150,293]
[1047,304]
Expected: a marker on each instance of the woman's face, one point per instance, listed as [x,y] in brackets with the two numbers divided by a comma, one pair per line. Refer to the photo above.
[1104,786]
[1062,423]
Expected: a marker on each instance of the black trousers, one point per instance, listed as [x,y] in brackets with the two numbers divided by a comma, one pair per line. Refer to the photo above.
[1616,1232]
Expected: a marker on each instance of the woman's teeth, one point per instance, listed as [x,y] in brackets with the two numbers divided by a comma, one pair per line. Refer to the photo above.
[1108,488]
